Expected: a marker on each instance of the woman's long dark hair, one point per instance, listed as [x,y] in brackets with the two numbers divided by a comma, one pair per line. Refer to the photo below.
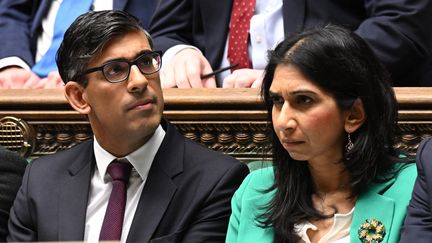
[342,63]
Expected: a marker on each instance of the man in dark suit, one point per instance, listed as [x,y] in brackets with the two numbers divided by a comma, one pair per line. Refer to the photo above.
[397,31]
[24,27]
[12,168]
[418,222]
[178,191]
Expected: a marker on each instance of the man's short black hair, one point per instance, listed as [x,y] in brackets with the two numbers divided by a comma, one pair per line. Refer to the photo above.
[86,38]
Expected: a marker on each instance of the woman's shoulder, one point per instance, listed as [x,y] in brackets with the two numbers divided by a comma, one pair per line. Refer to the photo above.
[257,183]
[249,203]
[386,201]
[402,181]
[263,177]
[406,172]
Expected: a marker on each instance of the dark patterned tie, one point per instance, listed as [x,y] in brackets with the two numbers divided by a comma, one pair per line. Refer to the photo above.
[111,230]
[241,14]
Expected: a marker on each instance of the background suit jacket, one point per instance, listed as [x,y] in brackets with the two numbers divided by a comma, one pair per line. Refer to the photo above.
[418,224]
[12,169]
[186,197]
[386,202]
[397,30]
[21,22]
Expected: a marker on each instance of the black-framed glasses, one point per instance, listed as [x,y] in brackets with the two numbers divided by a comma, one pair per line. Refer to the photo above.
[118,71]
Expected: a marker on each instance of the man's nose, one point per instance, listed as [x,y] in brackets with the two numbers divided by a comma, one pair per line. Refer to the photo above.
[137,81]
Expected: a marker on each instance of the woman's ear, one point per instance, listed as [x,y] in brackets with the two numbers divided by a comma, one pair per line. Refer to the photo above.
[74,93]
[355,116]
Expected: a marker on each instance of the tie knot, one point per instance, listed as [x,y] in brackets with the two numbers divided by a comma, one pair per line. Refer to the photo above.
[119,170]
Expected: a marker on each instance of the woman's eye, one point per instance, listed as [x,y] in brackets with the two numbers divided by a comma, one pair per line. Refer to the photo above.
[304,100]
[277,100]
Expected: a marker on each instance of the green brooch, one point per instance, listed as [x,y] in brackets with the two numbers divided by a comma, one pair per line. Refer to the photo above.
[371,231]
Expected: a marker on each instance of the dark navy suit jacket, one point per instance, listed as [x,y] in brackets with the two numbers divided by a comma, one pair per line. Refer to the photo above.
[418,223]
[397,30]
[186,197]
[21,22]
[12,169]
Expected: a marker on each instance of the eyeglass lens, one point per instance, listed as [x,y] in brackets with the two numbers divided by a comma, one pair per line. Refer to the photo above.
[118,71]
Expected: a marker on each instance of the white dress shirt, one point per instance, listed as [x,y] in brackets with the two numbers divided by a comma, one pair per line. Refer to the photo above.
[101,186]
[266,31]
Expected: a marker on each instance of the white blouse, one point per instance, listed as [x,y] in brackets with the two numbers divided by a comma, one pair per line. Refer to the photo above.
[339,232]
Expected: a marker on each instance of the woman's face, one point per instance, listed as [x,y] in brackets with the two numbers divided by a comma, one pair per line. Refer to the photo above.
[305,117]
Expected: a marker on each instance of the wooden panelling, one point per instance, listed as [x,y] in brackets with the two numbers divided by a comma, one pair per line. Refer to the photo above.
[39,122]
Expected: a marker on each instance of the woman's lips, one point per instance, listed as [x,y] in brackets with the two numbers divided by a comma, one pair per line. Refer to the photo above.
[290,143]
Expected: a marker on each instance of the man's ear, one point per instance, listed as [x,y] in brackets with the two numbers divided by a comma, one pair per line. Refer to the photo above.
[74,93]
[355,116]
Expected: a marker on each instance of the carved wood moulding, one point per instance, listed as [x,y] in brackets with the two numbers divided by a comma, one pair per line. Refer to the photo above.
[245,140]
[36,123]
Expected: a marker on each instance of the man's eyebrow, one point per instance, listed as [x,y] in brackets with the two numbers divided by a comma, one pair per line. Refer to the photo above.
[126,59]
[143,52]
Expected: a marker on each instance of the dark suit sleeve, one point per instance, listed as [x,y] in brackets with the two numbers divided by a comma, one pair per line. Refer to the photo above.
[21,226]
[12,169]
[212,222]
[15,20]
[398,33]
[418,223]
[172,24]
[142,9]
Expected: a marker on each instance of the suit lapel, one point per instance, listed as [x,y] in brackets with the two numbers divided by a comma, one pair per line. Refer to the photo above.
[159,188]
[293,12]
[41,9]
[372,205]
[74,195]
[155,198]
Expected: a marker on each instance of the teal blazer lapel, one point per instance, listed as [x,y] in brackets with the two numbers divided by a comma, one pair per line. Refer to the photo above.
[372,205]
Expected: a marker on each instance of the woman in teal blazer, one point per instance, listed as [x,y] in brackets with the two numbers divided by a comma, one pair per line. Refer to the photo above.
[336,176]
[384,201]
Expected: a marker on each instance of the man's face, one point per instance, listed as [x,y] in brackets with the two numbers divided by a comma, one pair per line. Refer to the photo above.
[123,115]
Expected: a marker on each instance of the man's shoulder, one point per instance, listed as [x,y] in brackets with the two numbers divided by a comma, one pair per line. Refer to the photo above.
[424,152]
[65,157]
[203,154]
[196,158]
[207,161]
[10,160]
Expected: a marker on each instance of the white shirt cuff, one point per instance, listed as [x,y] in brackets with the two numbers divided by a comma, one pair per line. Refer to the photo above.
[170,53]
[13,61]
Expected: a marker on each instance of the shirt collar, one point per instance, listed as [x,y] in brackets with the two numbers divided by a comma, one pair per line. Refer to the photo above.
[340,228]
[141,159]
